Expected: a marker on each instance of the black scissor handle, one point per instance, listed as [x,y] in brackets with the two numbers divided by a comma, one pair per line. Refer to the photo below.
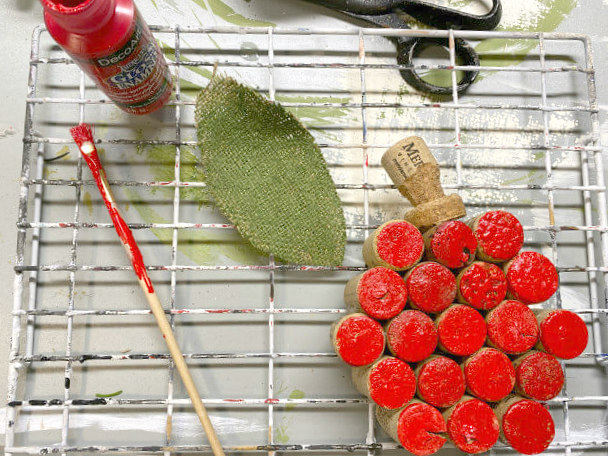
[448,18]
[433,15]
[409,48]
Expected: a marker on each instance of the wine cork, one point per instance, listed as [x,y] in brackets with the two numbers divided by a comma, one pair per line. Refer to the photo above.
[414,170]
[525,425]
[562,333]
[481,285]
[440,381]
[489,375]
[411,336]
[357,339]
[378,292]
[452,244]
[472,425]
[461,330]
[389,382]
[538,376]
[531,278]
[429,214]
[431,287]
[418,427]
[512,327]
[499,234]
[395,245]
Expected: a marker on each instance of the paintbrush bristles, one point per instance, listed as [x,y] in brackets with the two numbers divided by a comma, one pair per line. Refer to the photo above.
[82,133]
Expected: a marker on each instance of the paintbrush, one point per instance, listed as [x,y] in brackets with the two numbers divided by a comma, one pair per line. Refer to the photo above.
[83,136]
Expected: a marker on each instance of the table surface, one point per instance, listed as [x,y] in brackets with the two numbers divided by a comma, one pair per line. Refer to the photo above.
[21,16]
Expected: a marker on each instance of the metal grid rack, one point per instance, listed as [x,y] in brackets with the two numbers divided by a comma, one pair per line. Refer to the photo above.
[34,367]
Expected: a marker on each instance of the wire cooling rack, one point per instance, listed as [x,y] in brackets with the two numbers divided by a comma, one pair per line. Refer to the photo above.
[87,372]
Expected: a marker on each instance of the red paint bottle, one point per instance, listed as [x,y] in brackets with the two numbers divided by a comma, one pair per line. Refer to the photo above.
[110,41]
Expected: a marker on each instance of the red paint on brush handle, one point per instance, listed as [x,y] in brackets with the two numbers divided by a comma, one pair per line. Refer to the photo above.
[400,244]
[528,427]
[453,244]
[473,426]
[420,428]
[440,381]
[431,287]
[359,340]
[392,383]
[531,277]
[461,330]
[81,135]
[538,376]
[563,334]
[482,285]
[499,234]
[382,293]
[489,375]
[411,336]
[512,327]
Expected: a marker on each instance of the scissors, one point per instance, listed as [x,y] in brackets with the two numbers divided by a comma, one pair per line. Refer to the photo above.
[385,13]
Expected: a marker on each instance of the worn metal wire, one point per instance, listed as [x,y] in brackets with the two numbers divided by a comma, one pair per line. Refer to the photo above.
[26,311]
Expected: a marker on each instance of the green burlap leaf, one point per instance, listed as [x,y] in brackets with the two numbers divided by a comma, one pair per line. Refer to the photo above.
[268,176]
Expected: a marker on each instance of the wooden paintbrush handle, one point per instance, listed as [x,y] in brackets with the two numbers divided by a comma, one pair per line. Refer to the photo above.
[84,139]
[182,368]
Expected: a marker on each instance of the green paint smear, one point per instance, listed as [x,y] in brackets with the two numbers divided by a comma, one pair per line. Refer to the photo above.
[281,432]
[311,117]
[528,179]
[320,116]
[198,245]
[502,52]
[162,160]
[505,52]
[295,394]
[170,54]
[86,200]
[116,393]
[220,9]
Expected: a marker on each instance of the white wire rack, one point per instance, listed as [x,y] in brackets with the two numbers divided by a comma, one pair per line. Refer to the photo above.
[255,331]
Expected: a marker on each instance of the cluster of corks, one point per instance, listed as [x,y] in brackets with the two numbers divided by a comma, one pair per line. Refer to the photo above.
[441,336]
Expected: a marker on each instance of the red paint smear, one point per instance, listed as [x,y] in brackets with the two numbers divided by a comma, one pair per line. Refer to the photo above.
[412,336]
[528,427]
[539,376]
[482,285]
[461,330]
[419,428]
[563,334]
[431,287]
[360,340]
[441,382]
[512,327]
[453,244]
[82,134]
[400,244]
[531,278]
[234,400]
[473,426]
[489,375]
[382,293]
[500,235]
[271,401]
[63,225]
[218,311]
[392,383]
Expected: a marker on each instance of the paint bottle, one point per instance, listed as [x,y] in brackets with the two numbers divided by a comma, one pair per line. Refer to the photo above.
[110,42]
